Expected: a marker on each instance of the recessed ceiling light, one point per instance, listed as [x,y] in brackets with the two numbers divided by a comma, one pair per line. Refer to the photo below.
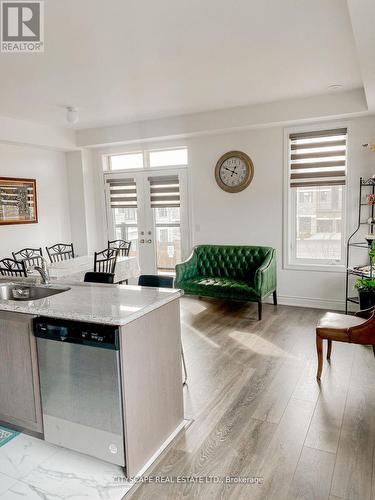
[335,86]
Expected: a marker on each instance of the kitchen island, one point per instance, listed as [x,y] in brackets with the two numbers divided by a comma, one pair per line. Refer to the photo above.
[146,323]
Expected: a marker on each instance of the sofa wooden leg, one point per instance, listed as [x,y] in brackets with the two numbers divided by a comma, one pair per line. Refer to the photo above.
[259,311]
[329,349]
[275,298]
[319,351]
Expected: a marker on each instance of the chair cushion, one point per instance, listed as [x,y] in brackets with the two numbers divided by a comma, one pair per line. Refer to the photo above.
[225,288]
[333,326]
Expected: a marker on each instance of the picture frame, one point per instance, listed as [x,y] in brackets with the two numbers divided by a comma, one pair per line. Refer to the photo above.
[18,201]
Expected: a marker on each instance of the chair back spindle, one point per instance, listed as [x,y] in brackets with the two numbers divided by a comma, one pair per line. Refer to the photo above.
[105,261]
[60,252]
[122,246]
[12,267]
[30,256]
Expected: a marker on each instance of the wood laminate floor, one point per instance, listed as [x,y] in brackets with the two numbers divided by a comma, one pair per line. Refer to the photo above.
[259,412]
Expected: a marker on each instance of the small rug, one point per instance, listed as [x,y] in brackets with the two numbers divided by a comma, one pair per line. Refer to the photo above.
[6,435]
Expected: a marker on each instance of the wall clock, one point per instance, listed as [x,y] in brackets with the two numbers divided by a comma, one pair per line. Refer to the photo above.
[234,171]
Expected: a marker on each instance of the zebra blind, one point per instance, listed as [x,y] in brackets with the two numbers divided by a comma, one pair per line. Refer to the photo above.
[165,191]
[318,158]
[122,193]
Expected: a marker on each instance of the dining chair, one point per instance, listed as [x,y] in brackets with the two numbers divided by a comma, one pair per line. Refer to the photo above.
[358,329]
[156,281]
[11,267]
[122,246]
[30,256]
[105,261]
[60,252]
[92,277]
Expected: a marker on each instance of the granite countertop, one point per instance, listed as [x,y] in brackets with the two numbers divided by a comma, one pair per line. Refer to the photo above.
[107,304]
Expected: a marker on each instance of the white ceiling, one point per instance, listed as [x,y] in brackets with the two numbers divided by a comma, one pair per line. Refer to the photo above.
[126,60]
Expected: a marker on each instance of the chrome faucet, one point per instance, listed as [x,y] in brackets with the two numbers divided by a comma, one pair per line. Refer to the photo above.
[43,271]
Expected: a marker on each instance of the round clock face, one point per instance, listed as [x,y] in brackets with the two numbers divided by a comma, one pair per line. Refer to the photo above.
[234,171]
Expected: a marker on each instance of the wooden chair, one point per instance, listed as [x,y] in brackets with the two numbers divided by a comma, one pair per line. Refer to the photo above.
[105,261]
[156,281]
[358,329]
[91,277]
[122,246]
[11,267]
[30,256]
[60,252]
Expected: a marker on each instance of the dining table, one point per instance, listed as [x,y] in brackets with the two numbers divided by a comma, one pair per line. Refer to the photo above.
[74,270]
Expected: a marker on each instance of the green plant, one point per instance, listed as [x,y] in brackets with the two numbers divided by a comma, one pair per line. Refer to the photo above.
[367,284]
[372,253]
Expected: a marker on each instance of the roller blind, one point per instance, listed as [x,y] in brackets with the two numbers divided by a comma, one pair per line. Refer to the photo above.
[122,193]
[318,158]
[165,191]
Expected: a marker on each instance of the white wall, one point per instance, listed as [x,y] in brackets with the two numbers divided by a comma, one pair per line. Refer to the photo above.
[255,216]
[77,206]
[49,170]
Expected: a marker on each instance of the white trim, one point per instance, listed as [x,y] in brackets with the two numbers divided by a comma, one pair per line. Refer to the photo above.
[288,261]
[310,302]
[321,268]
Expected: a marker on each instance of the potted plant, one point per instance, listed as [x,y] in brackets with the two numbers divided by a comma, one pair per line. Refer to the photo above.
[366,286]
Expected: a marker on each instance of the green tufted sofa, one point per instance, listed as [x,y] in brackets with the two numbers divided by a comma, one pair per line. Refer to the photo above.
[245,273]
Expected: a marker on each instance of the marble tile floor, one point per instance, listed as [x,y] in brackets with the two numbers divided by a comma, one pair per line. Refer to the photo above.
[35,470]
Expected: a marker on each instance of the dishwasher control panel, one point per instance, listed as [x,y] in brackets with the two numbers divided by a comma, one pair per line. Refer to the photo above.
[77,332]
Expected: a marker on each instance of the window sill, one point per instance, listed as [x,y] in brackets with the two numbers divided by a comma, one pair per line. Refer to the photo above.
[321,268]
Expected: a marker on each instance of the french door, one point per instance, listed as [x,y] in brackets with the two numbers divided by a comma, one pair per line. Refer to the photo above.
[150,209]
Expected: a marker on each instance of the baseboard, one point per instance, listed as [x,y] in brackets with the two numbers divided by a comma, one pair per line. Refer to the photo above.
[290,300]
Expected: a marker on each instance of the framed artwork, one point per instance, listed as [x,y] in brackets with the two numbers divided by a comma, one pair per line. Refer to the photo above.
[18,201]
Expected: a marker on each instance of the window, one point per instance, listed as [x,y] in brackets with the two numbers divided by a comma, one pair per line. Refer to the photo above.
[170,158]
[123,204]
[306,196]
[165,202]
[317,175]
[126,161]
[146,159]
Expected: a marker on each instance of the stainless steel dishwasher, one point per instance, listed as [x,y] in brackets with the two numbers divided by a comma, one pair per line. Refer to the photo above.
[79,366]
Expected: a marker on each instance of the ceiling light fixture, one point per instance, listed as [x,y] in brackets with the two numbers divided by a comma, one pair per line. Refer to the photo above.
[72,116]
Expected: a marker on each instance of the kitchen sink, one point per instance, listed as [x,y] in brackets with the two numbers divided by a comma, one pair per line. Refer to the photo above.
[22,292]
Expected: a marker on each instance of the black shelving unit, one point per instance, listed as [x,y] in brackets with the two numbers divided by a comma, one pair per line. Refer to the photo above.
[363,184]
